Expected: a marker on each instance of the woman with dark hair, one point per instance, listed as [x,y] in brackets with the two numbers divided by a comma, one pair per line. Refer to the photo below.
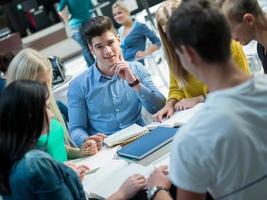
[28,173]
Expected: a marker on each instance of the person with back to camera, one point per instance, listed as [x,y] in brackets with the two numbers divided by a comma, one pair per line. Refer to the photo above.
[228,135]
[133,35]
[185,89]
[28,173]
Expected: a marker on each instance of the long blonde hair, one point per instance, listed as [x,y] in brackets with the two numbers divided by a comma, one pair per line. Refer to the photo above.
[163,14]
[27,65]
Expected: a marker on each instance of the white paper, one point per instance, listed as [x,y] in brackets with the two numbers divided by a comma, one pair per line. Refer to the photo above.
[112,177]
[178,118]
[98,160]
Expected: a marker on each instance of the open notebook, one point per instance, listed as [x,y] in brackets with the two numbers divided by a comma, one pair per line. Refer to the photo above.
[109,178]
[147,144]
[126,135]
[177,119]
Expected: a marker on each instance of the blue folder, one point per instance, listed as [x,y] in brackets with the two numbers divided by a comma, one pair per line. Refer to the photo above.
[147,144]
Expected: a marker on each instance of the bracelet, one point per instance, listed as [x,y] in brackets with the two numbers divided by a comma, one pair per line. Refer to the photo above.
[136,82]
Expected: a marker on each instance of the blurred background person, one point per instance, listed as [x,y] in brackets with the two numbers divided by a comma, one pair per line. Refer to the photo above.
[133,35]
[79,12]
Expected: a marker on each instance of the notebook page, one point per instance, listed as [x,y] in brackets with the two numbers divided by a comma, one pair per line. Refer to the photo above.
[164,160]
[178,118]
[128,132]
[99,180]
[183,116]
[112,184]
[98,160]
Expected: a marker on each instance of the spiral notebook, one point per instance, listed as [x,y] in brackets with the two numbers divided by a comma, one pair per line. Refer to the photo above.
[126,135]
[146,145]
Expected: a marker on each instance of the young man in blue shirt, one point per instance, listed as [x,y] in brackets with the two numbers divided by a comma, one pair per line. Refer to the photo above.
[109,96]
[80,12]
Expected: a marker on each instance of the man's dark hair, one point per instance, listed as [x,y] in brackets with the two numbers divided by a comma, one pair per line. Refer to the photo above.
[199,24]
[97,26]
[22,114]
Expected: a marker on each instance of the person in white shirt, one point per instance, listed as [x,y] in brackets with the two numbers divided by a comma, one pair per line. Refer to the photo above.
[223,149]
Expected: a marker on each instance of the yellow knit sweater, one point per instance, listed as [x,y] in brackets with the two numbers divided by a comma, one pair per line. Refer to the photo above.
[195,87]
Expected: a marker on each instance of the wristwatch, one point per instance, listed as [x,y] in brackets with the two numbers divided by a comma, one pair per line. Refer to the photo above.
[152,191]
[136,82]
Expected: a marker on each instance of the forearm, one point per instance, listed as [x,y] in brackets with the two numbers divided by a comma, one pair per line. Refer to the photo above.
[151,99]
[162,194]
[78,135]
[73,152]
[151,49]
[116,196]
[63,15]
[171,103]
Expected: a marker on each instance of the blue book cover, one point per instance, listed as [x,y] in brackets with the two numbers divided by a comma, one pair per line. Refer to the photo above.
[147,144]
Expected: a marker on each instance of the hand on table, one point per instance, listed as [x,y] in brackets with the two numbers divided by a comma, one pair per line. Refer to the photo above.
[98,138]
[188,103]
[159,177]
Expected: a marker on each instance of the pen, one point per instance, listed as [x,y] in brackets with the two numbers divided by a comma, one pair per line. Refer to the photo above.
[91,171]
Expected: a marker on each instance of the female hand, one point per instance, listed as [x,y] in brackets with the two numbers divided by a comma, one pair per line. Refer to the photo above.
[167,111]
[88,148]
[188,103]
[80,170]
[130,187]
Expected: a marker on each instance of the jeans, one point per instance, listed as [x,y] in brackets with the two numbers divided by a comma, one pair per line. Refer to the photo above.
[78,37]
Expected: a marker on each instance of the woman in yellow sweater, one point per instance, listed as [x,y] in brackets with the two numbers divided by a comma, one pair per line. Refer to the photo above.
[184,94]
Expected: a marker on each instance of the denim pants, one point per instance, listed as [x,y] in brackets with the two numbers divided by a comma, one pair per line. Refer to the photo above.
[78,36]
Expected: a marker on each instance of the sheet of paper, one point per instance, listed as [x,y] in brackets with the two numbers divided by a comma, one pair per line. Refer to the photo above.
[164,160]
[112,183]
[178,118]
[102,157]
[100,181]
